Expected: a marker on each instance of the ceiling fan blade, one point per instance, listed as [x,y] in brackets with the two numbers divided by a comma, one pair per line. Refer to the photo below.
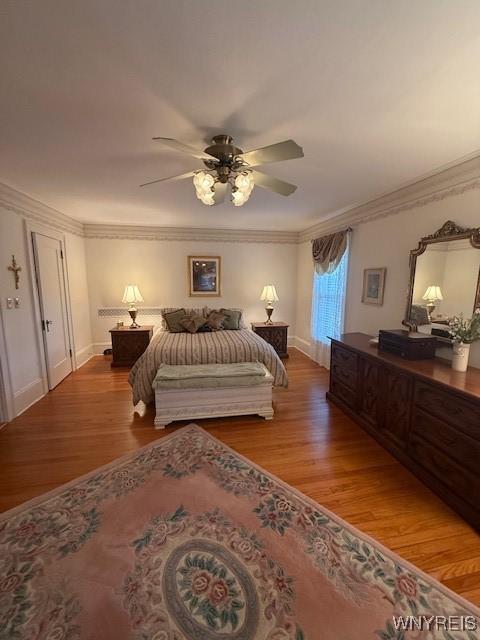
[286,150]
[184,148]
[273,184]
[220,192]
[181,176]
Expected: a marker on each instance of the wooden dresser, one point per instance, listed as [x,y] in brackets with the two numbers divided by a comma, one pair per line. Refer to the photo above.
[423,412]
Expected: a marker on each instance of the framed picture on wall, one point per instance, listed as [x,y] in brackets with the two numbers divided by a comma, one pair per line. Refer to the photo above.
[204,275]
[373,285]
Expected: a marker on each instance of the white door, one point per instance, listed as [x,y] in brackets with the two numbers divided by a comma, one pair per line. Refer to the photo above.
[53,309]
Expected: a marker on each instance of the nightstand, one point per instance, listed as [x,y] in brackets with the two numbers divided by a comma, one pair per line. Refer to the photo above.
[275,334]
[129,344]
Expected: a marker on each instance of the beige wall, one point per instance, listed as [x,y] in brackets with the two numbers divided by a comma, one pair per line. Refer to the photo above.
[304,295]
[98,270]
[386,242]
[23,365]
[460,280]
[79,297]
[159,268]
[22,358]
[430,270]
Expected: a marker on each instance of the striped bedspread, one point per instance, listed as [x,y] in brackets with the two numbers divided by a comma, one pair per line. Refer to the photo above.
[202,348]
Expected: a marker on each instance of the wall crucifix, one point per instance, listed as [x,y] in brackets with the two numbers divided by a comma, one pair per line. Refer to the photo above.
[15,269]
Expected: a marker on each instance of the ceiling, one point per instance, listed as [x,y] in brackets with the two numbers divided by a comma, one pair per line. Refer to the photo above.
[377,93]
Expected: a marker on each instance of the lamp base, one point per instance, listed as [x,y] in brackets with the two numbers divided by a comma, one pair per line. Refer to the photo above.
[269,311]
[430,309]
[133,314]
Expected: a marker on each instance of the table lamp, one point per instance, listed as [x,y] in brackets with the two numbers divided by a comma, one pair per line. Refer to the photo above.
[269,294]
[132,295]
[432,294]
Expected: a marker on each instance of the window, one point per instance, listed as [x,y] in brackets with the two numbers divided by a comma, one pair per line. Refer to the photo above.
[328,309]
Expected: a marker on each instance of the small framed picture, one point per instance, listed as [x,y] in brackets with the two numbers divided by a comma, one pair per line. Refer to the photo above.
[204,275]
[373,285]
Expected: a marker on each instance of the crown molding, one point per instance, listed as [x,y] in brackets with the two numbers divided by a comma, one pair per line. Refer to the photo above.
[130,232]
[23,205]
[445,183]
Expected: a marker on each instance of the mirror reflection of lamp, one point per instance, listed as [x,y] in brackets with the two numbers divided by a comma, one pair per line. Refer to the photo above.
[269,294]
[132,295]
[432,295]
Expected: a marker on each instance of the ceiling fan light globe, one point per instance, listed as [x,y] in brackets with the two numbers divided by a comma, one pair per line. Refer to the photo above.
[239,198]
[204,192]
[206,181]
[244,182]
[207,199]
[198,177]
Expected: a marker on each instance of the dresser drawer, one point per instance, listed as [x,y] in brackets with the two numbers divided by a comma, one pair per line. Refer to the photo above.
[343,393]
[397,403]
[462,448]
[369,385]
[348,377]
[447,471]
[448,407]
[344,358]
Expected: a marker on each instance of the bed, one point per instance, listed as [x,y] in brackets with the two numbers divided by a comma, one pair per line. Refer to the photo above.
[217,347]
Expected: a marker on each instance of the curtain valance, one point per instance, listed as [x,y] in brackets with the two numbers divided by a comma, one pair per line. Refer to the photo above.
[327,251]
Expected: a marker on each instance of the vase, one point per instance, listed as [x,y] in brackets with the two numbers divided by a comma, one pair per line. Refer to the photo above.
[461,351]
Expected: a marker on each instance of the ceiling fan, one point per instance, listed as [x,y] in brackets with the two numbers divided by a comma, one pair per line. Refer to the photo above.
[228,166]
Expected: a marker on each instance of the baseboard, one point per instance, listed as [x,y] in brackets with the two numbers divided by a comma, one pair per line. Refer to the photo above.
[28,395]
[83,355]
[302,345]
[99,347]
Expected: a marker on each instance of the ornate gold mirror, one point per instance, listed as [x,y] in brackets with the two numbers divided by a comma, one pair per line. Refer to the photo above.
[444,279]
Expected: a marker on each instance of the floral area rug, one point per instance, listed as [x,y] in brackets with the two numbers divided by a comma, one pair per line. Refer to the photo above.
[187,539]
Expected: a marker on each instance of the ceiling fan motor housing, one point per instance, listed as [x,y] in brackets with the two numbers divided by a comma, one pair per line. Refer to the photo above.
[222,147]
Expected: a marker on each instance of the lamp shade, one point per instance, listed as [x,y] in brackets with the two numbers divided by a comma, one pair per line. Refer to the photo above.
[132,294]
[433,292]
[269,293]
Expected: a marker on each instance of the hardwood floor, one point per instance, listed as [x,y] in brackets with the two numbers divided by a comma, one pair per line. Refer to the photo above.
[88,420]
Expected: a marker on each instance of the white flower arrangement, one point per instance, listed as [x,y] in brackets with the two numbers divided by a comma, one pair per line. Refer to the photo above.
[465,331]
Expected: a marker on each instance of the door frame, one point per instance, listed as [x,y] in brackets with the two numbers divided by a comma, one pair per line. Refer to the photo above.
[30,229]
[7,411]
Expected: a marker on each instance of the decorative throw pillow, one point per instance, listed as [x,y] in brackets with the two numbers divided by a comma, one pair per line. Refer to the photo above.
[204,329]
[241,324]
[193,323]
[187,312]
[233,318]
[172,320]
[215,320]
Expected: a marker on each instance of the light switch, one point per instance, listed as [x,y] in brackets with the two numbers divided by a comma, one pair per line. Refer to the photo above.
[16,302]
[9,303]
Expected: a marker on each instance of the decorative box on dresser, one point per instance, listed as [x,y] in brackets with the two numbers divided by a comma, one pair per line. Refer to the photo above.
[275,333]
[129,344]
[423,412]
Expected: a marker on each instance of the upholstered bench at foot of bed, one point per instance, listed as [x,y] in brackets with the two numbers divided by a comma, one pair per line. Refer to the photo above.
[186,392]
